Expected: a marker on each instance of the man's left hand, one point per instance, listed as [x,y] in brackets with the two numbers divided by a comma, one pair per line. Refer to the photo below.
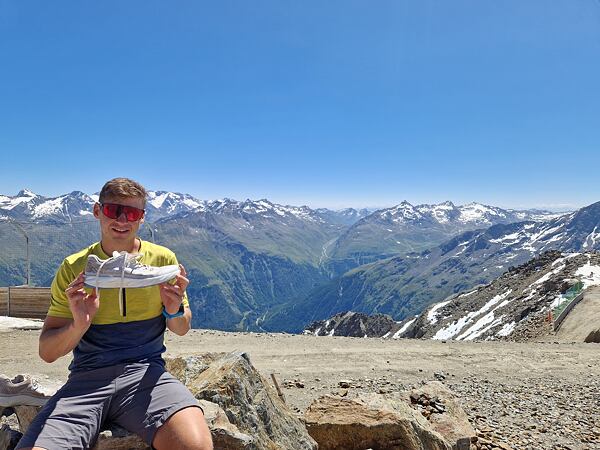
[172,294]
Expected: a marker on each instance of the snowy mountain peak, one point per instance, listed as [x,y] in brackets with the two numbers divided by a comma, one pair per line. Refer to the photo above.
[26,193]
[264,208]
[173,202]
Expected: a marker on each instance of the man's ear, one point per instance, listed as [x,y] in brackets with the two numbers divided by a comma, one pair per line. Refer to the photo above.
[97,210]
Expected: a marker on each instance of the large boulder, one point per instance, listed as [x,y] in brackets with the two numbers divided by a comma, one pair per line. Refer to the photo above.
[428,417]
[375,421]
[248,400]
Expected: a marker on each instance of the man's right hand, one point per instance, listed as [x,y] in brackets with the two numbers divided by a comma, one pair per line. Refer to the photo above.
[83,306]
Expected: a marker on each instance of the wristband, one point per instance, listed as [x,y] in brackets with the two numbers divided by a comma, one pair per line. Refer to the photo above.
[172,316]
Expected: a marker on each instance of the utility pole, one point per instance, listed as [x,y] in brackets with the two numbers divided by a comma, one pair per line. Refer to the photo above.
[26,236]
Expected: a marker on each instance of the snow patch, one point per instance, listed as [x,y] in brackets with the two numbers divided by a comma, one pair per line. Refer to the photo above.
[403,329]
[432,315]
[456,327]
[507,329]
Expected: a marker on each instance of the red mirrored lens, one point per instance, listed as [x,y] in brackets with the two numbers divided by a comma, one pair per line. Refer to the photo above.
[114,210]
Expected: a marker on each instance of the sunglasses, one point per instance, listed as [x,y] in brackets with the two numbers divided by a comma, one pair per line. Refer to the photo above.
[114,211]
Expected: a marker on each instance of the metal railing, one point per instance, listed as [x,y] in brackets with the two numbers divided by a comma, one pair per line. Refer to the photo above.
[570,298]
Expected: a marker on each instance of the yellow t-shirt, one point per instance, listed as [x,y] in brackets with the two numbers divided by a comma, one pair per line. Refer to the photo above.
[140,303]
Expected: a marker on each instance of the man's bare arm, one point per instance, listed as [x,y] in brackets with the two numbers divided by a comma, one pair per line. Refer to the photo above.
[59,336]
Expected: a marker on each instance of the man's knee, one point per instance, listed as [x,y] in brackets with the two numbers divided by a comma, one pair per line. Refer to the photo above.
[186,429]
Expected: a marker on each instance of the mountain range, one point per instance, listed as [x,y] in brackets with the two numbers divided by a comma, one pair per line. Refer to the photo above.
[514,306]
[404,285]
[257,265]
[406,228]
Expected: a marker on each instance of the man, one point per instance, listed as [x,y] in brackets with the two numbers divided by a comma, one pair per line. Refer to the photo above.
[117,372]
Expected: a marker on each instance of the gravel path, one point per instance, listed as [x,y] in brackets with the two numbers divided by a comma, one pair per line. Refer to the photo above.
[520,395]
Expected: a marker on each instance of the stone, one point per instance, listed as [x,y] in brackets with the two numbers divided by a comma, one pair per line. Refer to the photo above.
[225,434]
[8,437]
[370,421]
[452,421]
[26,414]
[247,399]
[117,438]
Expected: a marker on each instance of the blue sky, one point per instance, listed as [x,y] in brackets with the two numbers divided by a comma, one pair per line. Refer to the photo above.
[338,103]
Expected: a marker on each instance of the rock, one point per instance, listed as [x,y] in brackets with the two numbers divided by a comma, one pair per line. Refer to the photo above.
[247,399]
[450,420]
[26,414]
[117,438]
[225,435]
[8,437]
[370,421]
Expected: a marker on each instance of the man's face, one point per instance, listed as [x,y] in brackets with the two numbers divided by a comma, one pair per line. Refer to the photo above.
[119,229]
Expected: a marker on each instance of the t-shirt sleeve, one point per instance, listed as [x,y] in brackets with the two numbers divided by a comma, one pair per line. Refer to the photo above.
[172,259]
[59,303]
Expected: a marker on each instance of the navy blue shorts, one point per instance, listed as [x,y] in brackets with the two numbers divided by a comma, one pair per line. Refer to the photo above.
[139,397]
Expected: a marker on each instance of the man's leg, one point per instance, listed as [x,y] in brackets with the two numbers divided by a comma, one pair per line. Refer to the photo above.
[159,408]
[73,416]
[185,430]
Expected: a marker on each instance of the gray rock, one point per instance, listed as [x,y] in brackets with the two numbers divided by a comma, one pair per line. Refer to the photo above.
[248,400]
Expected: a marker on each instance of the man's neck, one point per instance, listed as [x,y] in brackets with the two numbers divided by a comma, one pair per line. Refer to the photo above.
[129,247]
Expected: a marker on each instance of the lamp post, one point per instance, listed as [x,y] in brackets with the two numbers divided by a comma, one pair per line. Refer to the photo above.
[28,260]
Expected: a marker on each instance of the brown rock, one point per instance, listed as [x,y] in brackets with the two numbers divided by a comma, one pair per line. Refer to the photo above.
[25,415]
[453,422]
[117,438]
[370,421]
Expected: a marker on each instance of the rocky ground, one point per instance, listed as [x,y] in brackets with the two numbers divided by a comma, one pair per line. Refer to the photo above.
[518,395]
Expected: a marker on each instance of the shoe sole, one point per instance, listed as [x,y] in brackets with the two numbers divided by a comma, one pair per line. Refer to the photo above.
[21,400]
[116,282]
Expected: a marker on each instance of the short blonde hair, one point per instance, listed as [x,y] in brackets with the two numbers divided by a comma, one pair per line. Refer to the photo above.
[124,188]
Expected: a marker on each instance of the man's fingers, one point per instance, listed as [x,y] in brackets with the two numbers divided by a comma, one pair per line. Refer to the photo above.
[182,281]
[77,296]
[74,288]
[174,288]
[182,270]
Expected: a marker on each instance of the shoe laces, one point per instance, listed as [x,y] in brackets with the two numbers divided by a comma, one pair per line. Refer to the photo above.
[127,259]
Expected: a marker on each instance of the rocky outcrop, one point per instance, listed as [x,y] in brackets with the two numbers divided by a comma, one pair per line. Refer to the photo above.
[428,418]
[352,324]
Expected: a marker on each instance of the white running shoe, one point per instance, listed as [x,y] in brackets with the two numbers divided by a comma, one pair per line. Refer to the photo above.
[124,270]
[21,391]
